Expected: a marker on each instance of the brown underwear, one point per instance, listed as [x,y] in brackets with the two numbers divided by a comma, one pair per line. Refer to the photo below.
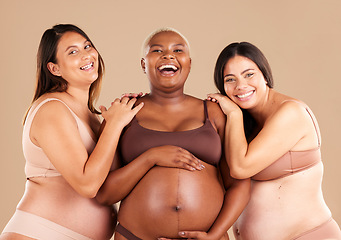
[126,233]
[327,230]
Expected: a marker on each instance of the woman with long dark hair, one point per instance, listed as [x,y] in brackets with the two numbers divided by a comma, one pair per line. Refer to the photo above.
[66,160]
[275,140]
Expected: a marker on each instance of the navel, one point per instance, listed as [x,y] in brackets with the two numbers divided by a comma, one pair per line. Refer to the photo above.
[177,208]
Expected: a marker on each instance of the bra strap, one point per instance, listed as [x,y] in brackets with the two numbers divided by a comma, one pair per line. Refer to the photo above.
[311,116]
[205,110]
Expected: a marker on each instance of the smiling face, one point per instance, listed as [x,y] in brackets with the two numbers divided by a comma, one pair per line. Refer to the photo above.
[77,60]
[167,62]
[244,83]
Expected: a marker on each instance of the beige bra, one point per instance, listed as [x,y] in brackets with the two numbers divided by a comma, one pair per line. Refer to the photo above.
[292,161]
[37,163]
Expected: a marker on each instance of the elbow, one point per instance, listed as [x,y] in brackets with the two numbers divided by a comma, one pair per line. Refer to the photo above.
[105,196]
[239,172]
[88,191]
[103,199]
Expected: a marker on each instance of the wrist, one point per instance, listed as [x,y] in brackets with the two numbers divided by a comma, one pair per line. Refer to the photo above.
[148,159]
[215,234]
[235,114]
[112,124]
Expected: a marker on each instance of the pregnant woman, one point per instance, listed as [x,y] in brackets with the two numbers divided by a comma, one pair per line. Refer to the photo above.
[174,182]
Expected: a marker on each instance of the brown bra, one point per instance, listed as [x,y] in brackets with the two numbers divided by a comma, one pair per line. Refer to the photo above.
[203,142]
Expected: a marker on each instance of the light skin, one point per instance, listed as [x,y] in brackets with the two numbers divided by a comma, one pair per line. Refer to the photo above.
[169,50]
[55,130]
[283,124]
[87,173]
[275,118]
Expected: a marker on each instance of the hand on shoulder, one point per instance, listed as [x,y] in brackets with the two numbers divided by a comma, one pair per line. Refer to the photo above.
[216,116]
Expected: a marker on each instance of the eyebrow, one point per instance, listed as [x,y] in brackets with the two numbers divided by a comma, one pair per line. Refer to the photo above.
[160,45]
[242,72]
[86,41]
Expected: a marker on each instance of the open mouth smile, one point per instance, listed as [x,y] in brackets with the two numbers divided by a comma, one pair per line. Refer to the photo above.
[168,69]
[88,66]
[245,95]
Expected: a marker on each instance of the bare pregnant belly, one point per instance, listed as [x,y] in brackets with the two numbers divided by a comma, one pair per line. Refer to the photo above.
[168,200]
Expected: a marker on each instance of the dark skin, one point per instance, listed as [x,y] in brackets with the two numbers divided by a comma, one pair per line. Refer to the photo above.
[173,171]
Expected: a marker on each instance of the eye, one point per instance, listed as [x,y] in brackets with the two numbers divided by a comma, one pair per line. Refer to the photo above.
[228,80]
[156,50]
[72,52]
[88,46]
[178,50]
[249,75]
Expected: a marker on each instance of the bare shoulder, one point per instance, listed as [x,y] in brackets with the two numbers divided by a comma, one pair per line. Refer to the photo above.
[216,115]
[291,112]
[54,113]
[292,107]
[53,107]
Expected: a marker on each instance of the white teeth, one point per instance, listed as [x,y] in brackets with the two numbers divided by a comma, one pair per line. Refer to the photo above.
[245,95]
[87,66]
[168,66]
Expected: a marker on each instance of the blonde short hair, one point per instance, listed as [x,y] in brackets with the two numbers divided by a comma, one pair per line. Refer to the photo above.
[157,31]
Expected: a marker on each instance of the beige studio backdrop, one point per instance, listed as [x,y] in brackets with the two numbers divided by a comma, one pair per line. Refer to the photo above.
[300,38]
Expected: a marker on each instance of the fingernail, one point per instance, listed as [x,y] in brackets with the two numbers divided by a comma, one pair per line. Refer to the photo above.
[182,233]
[202,166]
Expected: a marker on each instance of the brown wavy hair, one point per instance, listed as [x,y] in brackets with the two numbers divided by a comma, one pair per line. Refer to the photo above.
[46,82]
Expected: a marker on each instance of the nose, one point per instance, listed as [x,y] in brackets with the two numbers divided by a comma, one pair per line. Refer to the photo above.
[241,84]
[168,55]
[85,55]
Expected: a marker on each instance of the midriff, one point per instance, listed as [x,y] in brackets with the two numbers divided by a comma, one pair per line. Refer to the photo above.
[54,199]
[284,208]
[168,200]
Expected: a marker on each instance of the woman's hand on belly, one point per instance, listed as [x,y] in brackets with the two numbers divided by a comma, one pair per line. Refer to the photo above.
[175,157]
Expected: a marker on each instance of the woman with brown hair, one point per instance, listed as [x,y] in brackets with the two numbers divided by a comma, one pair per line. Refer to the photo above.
[66,160]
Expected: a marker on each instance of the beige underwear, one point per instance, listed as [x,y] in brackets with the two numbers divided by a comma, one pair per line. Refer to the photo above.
[327,230]
[36,227]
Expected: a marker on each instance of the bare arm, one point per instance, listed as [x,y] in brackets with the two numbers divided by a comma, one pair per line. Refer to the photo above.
[281,132]
[237,193]
[121,181]
[55,130]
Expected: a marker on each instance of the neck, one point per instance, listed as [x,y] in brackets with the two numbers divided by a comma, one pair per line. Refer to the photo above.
[81,96]
[165,98]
